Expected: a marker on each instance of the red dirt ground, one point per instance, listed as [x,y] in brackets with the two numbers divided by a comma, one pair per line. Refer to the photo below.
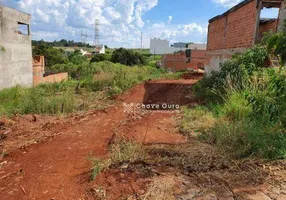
[47,156]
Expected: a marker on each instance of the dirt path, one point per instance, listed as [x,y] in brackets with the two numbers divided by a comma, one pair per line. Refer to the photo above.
[57,167]
[47,156]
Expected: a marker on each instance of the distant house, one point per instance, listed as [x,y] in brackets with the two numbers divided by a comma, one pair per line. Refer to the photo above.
[197,46]
[99,49]
[179,45]
[159,47]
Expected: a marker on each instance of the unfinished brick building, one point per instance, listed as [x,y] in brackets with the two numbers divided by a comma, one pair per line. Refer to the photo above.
[179,62]
[15,48]
[240,28]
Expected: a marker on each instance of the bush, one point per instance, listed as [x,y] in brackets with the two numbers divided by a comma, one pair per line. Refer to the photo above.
[100,58]
[77,58]
[127,57]
[64,97]
[234,74]
[250,138]
[249,106]
[52,56]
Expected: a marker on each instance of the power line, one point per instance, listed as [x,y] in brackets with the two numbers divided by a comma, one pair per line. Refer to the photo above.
[96,33]
[141,41]
[83,37]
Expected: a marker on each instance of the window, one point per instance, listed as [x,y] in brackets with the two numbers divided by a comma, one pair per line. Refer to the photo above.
[23,29]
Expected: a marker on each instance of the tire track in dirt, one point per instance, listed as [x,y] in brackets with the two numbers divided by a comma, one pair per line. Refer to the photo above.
[57,168]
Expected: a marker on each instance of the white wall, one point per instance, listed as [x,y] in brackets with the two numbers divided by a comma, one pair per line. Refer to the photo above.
[158,46]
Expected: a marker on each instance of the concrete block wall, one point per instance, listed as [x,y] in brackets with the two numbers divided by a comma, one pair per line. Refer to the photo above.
[16,58]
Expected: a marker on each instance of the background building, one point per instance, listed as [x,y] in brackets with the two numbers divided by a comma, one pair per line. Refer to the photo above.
[179,45]
[180,62]
[197,46]
[160,47]
[99,49]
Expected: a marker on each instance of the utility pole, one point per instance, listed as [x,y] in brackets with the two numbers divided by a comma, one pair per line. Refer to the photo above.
[83,37]
[141,41]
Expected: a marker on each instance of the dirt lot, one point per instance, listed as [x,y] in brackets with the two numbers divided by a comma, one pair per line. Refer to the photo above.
[46,157]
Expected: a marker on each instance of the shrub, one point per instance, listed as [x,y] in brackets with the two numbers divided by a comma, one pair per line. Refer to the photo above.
[52,56]
[100,58]
[250,138]
[250,106]
[77,58]
[127,57]
[234,74]
[64,97]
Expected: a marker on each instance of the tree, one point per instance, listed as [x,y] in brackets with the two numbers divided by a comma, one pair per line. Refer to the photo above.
[52,56]
[100,57]
[77,58]
[127,57]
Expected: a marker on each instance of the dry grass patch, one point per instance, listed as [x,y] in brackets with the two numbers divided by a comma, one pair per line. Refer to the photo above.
[196,121]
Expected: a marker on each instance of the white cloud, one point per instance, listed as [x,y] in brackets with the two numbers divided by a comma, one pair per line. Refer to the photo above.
[227,3]
[170,18]
[157,25]
[121,21]
[193,28]
[182,32]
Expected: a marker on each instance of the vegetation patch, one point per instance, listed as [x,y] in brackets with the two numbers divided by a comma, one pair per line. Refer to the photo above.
[121,152]
[247,102]
[197,121]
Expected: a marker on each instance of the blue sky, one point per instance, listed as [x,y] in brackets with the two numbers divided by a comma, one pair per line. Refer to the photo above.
[122,21]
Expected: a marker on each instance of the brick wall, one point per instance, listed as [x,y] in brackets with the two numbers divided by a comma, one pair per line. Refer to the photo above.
[240,27]
[216,34]
[178,62]
[234,30]
[39,71]
[266,27]
[55,78]
[230,33]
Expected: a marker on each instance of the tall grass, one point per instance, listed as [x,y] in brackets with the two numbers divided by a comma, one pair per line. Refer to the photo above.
[65,97]
[249,103]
